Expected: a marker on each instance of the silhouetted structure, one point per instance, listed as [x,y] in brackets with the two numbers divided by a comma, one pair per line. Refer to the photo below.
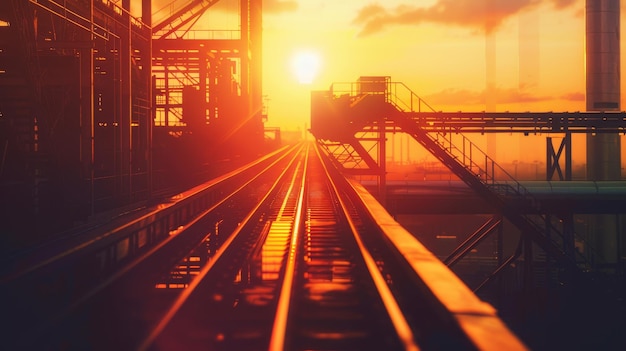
[92,101]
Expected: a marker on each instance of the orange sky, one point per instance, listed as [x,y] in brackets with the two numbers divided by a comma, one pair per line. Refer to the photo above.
[436,47]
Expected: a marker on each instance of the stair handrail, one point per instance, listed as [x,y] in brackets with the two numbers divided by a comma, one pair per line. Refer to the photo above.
[445,140]
[501,189]
[176,14]
[500,186]
[469,156]
[393,96]
[168,10]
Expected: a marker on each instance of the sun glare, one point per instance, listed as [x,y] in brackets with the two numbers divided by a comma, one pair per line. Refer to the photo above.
[305,66]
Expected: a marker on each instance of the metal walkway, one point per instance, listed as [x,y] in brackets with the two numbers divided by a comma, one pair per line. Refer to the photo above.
[350,122]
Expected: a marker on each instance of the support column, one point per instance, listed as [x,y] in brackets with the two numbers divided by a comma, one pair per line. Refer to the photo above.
[553,158]
[603,84]
[382,162]
[146,17]
[256,64]
[255,46]
[245,55]
[203,81]
[86,68]
[603,94]
[125,195]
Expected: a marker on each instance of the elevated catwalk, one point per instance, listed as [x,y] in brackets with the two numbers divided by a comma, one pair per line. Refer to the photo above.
[351,120]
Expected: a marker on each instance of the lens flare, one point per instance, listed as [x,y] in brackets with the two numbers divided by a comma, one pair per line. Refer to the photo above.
[305,66]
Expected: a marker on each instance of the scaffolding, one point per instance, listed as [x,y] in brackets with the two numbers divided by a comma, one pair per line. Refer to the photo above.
[101,110]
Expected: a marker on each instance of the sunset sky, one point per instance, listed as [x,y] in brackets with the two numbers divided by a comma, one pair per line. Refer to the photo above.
[436,47]
[439,48]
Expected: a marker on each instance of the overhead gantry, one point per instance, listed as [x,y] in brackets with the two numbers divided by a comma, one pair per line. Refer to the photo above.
[350,122]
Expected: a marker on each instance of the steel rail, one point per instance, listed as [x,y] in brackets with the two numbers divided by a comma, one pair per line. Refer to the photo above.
[399,321]
[143,257]
[226,246]
[177,201]
[279,329]
[478,320]
[40,325]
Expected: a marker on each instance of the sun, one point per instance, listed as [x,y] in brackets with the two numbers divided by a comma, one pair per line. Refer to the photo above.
[305,65]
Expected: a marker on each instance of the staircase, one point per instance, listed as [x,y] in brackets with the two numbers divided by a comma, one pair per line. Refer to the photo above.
[173,16]
[338,116]
[492,183]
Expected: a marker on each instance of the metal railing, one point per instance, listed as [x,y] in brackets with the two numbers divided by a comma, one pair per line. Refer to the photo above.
[496,179]
[396,93]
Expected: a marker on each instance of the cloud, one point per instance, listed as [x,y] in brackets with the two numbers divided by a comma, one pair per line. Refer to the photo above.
[455,96]
[469,97]
[279,6]
[577,96]
[561,4]
[486,15]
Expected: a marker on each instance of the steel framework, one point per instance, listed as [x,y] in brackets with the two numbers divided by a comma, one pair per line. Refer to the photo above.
[344,117]
[75,103]
[101,110]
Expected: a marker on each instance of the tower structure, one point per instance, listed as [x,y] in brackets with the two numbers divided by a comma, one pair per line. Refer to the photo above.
[603,84]
[208,87]
[92,100]
[603,94]
[75,102]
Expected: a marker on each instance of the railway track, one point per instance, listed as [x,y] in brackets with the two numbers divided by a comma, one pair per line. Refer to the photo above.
[302,284]
[293,259]
[66,294]
[341,300]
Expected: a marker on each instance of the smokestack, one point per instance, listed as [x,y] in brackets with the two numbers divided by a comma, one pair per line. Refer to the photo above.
[603,84]
[603,94]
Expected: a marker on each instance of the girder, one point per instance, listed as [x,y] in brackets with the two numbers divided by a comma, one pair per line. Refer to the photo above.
[351,107]
[522,122]
[340,114]
[178,17]
[173,46]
